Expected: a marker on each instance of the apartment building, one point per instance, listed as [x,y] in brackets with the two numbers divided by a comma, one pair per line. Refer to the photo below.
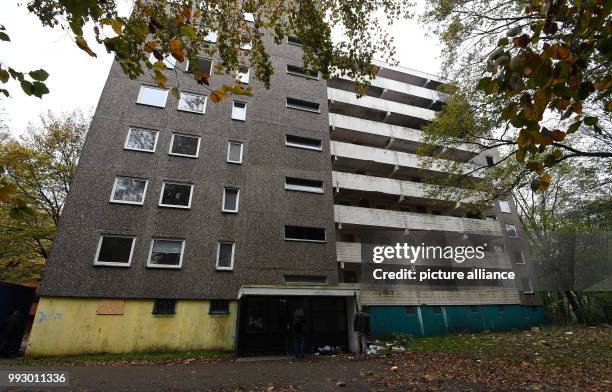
[199,226]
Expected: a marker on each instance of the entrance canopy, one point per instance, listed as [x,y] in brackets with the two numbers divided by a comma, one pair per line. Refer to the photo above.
[298,290]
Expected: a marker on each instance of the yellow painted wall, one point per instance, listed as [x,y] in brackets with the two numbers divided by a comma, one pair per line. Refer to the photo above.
[70,326]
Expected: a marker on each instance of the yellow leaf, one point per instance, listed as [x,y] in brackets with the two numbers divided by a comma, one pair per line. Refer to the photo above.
[82,44]
[216,97]
[117,26]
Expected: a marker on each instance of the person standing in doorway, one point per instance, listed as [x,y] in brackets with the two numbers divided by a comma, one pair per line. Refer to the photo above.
[361,326]
[297,328]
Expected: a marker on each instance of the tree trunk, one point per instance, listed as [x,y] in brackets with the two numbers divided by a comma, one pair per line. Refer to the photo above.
[575,306]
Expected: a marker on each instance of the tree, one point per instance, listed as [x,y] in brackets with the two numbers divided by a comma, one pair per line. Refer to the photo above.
[531,78]
[38,168]
[163,28]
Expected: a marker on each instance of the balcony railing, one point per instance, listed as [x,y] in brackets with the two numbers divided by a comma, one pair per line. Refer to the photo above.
[398,220]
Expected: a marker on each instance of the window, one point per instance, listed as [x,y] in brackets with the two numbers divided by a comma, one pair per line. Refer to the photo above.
[490,160]
[344,202]
[245,45]
[298,104]
[511,230]
[249,17]
[169,61]
[201,64]
[166,253]
[518,258]
[504,206]
[409,309]
[526,286]
[294,41]
[152,96]
[239,111]
[303,185]
[303,72]
[303,142]
[194,103]
[500,308]
[243,75]
[491,218]
[305,279]
[129,190]
[164,307]
[436,309]
[114,250]
[345,237]
[301,233]
[185,145]
[231,197]
[234,152]
[349,276]
[176,195]
[218,307]
[140,139]
[211,36]
[474,308]
[225,255]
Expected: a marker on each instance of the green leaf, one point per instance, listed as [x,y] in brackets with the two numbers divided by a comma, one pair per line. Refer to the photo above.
[39,74]
[483,83]
[520,154]
[514,31]
[26,87]
[574,127]
[535,184]
[39,89]
[4,75]
[4,36]
[5,92]
[590,120]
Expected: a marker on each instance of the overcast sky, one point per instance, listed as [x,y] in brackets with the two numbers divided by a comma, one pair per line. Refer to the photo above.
[76,80]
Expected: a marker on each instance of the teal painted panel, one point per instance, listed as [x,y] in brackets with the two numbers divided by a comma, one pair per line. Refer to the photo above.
[433,320]
[463,318]
[390,320]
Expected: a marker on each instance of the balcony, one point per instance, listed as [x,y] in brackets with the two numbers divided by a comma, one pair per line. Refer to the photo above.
[389,137]
[389,186]
[347,103]
[399,220]
[350,252]
[368,158]
[407,75]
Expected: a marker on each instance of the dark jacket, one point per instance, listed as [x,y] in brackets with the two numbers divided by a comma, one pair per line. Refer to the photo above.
[362,323]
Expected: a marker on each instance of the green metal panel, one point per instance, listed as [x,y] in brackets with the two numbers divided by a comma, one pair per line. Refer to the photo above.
[465,318]
[390,320]
[434,322]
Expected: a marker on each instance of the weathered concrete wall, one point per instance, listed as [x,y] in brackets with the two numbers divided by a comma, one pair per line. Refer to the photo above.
[70,326]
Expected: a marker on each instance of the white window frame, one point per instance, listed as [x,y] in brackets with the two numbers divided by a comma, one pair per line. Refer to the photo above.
[244,77]
[246,45]
[504,206]
[231,267]
[161,195]
[508,232]
[184,155]
[127,139]
[299,188]
[303,146]
[248,16]
[189,110]
[234,106]
[304,74]
[146,86]
[223,209]
[151,265]
[212,64]
[169,61]
[112,264]
[144,192]
[530,289]
[229,144]
[523,261]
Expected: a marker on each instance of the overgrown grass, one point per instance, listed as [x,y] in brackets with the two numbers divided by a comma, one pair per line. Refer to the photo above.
[135,358]
[551,344]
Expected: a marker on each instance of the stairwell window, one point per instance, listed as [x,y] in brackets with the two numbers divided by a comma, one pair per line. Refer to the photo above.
[299,104]
[519,258]
[302,233]
[294,40]
[140,139]
[303,185]
[248,16]
[194,103]
[303,142]
[239,111]
[176,195]
[526,286]
[211,36]
[243,75]
[225,255]
[185,145]
[504,206]
[166,253]
[152,96]
[115,250]
[128,190]
[234,152]
[218,307]
[511,231]
[231,198]
[303,72]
